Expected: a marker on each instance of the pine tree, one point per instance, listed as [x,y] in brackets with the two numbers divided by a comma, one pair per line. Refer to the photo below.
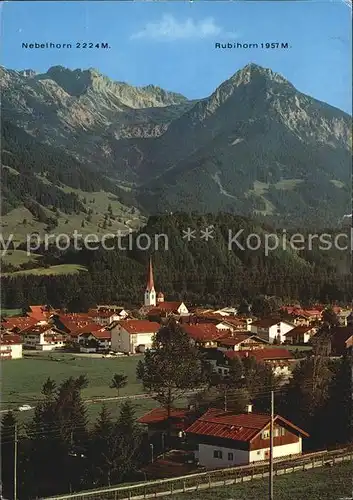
[171,368]
[8,424]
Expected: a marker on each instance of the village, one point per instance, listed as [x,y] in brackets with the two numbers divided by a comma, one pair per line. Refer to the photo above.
[218,438]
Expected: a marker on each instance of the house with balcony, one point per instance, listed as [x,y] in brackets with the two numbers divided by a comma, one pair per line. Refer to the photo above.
[43,337]
[10,346]
[224,439]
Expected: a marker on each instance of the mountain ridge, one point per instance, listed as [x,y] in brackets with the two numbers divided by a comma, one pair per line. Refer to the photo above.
[253,135]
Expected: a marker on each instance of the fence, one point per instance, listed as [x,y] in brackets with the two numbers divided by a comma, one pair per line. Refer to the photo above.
[211,479]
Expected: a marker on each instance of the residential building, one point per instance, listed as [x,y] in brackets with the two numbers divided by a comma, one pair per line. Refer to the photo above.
[279,359]
[43,337]
[100,339]
[241,340]
[158,423]
[104,317]
[225,439]
[300,335]
[10,346]
[16,324]
[40,313]
[132,336]
[271,329]
[204,334]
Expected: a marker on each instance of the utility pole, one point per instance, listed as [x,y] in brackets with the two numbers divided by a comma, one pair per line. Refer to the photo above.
[270,491]
[225,398]
[351,405]
[15,465]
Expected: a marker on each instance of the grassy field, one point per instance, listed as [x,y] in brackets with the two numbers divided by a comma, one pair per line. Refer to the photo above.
[97,202]
[23,378]
[47,271]
[18,257]
[324,483]
[10,312]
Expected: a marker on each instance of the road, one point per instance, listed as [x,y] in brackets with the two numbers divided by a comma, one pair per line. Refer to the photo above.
[100,400]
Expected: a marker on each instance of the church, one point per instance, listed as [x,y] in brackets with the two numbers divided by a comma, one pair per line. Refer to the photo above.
[155,304]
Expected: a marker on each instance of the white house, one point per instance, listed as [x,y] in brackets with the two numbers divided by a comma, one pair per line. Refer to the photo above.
[225,439]
[271,329]
[132,336]
[300,334]
[104,316]
[101,338]
[43,338]
[241,340]
[10,346]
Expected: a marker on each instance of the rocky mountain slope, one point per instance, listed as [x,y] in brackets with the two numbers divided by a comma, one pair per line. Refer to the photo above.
[256,145]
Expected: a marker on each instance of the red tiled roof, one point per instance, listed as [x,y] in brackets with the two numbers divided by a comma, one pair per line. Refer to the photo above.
[203,332]
[160,415]
[169,306]
[86,328]
[96,313]
[261,354]
[298,330]
[140,326]
[238,427]
[40,313]
[240,337]
[37,329]
[101,334]
[8,339]
[227,425]
[267,322]
[20,322]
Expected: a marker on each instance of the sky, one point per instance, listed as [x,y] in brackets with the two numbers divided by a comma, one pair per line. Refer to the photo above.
[172,44]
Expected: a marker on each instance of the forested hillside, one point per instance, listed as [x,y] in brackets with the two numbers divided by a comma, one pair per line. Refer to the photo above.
[200,272]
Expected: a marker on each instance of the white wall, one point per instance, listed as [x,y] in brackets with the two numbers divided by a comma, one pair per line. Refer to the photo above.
[206,458]
[283,328]
[205,454]
[11,351]
[16,351]
[183,309]
[125,342]
[278,451]
[273,331]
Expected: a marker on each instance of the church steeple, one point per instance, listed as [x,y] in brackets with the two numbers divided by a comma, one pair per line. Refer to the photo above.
[150,293]
[150,280]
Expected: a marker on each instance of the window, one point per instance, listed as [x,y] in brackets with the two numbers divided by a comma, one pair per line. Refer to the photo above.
[266,434]
[217,454]
[230,457]
[282,431]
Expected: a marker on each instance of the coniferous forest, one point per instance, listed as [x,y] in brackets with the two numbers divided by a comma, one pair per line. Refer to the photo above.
[199,272]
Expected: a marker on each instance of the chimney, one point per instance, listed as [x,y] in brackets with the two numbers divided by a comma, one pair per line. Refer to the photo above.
[248,408]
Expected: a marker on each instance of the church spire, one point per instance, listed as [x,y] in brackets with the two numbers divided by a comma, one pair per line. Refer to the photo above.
[150,293]
[150,281]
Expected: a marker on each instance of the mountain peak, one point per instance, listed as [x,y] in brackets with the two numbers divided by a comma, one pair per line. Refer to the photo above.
[28,72]
[253,71]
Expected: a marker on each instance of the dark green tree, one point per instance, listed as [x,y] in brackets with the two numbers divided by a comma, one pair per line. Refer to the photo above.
[119,381]
[172,367]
